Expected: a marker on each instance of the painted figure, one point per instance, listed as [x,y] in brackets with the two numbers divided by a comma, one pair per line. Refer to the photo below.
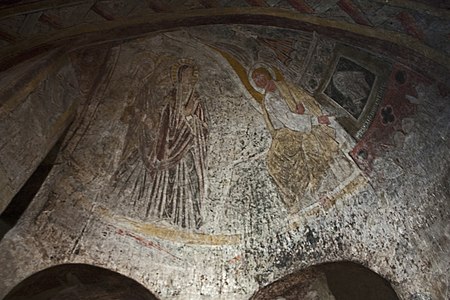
[303,143]
[163,162]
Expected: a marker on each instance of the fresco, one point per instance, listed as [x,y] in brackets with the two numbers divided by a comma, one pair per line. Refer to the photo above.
[201,165]
[165,151]
[307,158]
[303,144]
[350,86]
[301,56]
[187,157]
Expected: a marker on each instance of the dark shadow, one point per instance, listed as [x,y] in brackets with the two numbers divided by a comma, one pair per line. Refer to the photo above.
[330,281]
[348,280]
[79,282]
[23,198]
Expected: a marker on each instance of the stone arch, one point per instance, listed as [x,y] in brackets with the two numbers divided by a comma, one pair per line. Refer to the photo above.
[79,281]
[391,227]
[333,280]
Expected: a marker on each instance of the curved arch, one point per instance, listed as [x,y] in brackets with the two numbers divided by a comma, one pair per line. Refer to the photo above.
[87,34]
[342,280]
[78,281]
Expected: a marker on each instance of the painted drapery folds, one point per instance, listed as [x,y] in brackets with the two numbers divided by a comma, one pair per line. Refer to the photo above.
[161,172]
[191,179]
[163,161]
[303,145]
[307,157]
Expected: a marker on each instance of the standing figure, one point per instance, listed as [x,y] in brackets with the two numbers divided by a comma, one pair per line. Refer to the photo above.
[163,163]
[303,144]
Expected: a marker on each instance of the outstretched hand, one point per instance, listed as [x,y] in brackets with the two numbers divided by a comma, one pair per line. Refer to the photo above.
[324,120]
[300,109]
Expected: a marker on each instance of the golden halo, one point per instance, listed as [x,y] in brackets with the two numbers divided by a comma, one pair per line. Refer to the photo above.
[273,72]
[182,62]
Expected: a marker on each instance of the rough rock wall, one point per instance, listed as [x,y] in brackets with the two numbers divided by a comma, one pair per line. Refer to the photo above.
[78,281]
[174,119]
[37,106]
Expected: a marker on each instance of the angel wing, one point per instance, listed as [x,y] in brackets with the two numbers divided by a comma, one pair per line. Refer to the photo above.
[243,73]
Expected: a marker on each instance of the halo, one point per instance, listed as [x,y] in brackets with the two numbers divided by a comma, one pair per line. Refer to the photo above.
[269,68]
[182,62]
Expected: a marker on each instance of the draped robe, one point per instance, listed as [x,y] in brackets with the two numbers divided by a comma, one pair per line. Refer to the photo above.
[163,163]
[301,149]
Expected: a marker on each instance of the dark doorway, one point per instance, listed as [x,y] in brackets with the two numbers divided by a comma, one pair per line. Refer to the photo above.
[330,281]
[79,282]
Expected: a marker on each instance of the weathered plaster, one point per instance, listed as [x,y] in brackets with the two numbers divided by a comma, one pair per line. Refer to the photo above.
[391,219]
[33,115]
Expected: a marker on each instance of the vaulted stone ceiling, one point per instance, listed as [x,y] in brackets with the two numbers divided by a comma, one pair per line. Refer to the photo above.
[29,27]
[223,149]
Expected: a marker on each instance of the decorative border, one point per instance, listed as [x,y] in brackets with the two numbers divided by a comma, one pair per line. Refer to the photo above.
[373,111]
[379,67]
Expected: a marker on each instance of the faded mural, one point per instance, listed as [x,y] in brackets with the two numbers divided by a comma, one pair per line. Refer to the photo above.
[350,86]
[200,158]
[163,163]
[303,142]
[173,167]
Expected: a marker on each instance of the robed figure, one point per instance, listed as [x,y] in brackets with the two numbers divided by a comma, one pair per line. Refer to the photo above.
[162,168]
[303,143]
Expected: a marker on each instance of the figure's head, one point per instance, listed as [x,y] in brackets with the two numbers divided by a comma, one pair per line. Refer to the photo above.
[187,74]
[261,77]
